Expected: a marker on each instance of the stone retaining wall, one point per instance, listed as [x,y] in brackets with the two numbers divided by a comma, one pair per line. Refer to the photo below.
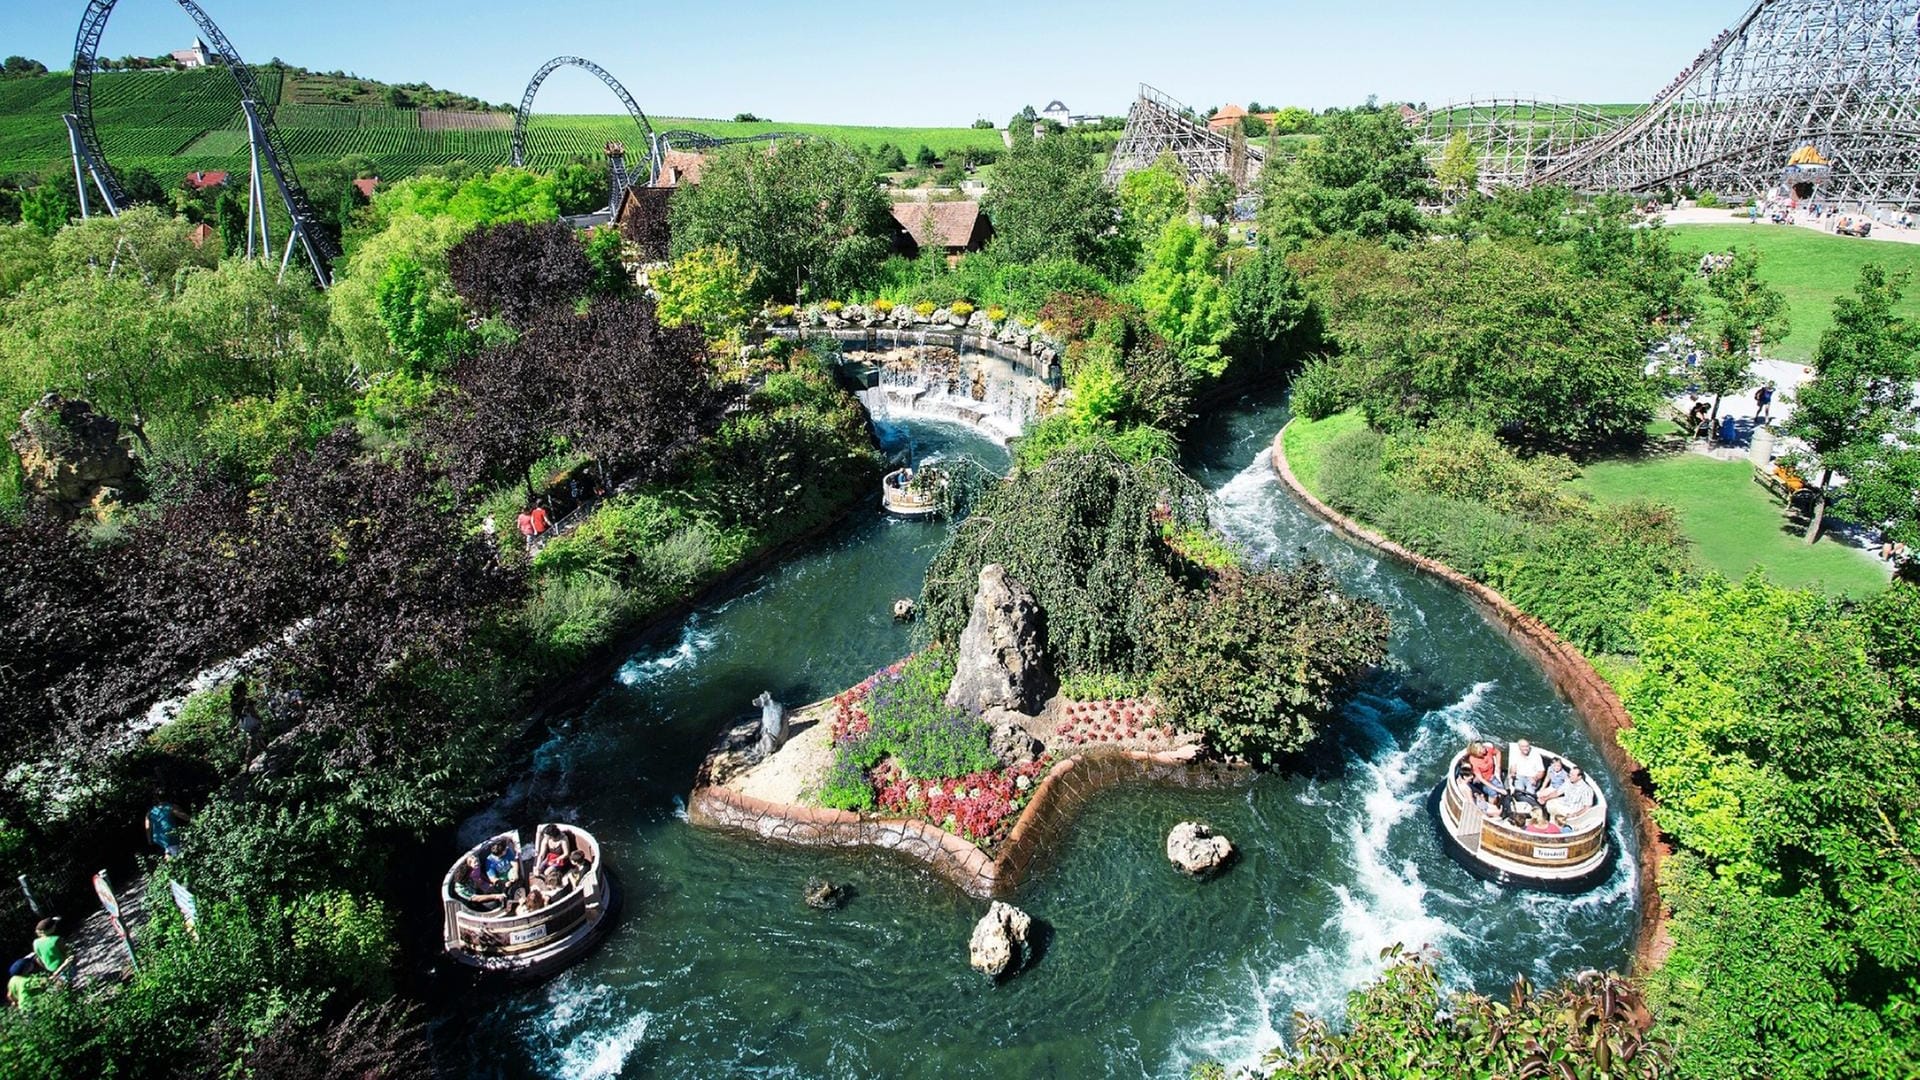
[1570,674]
[1040,829]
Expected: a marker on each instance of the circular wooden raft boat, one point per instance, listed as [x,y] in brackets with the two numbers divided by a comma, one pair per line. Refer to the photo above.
[900,497]
[1500,848]
[525,938]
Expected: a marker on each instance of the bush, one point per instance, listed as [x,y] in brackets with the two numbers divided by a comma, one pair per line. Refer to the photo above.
[1321,389]
[924,307]
[961,308]
[574,613]
[1258,662]
[204,731]
[912,722]
[1462,462]
[1707,201]
[1589,577]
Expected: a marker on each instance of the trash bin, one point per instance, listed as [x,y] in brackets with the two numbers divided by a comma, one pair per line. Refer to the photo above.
[1729,431]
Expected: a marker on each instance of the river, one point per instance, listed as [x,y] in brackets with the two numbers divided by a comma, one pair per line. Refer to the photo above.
[718,969]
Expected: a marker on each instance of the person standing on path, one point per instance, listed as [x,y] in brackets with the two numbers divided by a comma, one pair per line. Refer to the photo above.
[1763,404]
[541,523]
[53,957]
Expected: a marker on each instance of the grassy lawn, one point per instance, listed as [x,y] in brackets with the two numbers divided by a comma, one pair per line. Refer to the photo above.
[1734,525]
[1305,439]
[1809,268]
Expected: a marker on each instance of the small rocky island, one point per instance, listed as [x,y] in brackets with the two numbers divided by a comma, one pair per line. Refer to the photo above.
[944,756]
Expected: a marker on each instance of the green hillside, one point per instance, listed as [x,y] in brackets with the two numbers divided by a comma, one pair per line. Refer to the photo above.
[176,121]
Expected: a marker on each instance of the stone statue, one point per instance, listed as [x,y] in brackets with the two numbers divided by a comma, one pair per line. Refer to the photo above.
[773,724]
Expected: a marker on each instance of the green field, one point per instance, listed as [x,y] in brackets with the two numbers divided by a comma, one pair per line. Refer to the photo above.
[1733,523]
[172,122]
[1809,268]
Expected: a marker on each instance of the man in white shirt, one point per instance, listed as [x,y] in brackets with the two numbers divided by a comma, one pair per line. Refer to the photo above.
[1574,800]
[1526,766]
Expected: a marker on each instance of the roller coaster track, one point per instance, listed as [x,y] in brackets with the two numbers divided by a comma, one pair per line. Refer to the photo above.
[1842,76]
[613,84]
[320,247]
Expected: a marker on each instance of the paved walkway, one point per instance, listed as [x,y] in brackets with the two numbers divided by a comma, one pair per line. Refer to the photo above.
[1883,231]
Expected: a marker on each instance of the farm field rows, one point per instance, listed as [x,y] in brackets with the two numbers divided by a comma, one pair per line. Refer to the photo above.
[175,122]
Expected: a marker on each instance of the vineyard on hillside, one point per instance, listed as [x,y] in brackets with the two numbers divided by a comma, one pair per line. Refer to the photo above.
[172,122]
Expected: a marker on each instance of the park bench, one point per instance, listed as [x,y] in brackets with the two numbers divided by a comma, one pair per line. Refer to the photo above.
[1799,501]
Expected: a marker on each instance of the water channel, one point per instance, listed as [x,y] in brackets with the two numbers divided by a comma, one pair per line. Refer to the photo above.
[718,969]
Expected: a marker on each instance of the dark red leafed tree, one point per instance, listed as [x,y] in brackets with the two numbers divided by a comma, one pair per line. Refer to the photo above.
[518,271]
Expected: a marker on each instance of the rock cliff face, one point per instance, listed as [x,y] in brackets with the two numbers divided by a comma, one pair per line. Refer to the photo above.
[1002,660]
[76,461]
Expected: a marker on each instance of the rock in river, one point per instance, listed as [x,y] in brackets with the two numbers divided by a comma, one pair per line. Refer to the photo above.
[997,939]
[1001,663]
[1194,849]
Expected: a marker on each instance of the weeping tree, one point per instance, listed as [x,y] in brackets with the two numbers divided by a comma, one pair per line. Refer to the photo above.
[1118,555]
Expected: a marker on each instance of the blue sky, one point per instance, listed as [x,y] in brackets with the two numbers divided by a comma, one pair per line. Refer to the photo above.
[869,62]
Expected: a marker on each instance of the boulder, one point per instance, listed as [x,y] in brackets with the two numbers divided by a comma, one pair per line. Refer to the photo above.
[75,460]
[1194,849]
[1013,744]
[1001,663]
[995,948]
[823,895]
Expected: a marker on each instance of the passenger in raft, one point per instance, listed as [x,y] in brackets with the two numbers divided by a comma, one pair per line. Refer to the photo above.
[1575,799]
[503,863]
[1556,781]
[1526,767]
[1538,823]
[1484,760]
[473,886]
[553,851]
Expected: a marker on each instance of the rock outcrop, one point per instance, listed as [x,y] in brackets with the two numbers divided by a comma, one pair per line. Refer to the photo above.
[1001,662]
[1195,849]
[998,939]
[823,895]
[1013,744]
[75,460]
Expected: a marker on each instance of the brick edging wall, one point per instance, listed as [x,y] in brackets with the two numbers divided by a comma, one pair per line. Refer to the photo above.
[1041,825]
[1570,674]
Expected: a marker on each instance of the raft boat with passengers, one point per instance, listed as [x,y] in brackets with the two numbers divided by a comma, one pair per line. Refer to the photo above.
[525,911]
[1544,829]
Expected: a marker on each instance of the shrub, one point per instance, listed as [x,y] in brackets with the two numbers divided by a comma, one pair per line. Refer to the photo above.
[845,787]
[883,305]
[924,307]
[204,731]
[961,308]
[1707,201]
[831,307]
[1258,662]
[1321,389]
[1470,464]
[1589,577]
[574,613]
[997,314]
[912,722]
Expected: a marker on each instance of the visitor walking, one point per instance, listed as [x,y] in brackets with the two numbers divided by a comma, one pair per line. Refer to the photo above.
[541,523]
[1763,405]
[525,521]
[163,824]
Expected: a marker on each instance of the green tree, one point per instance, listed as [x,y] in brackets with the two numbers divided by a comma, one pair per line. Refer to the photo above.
[580,188]
[606,257]
[230,220]
[1185,299]
[925,157]
[1049,200]
[807,217]
[1749,314]
[1364,177]
[46,208]
[1269,309]
[1459,168]
[1292,120]
[1508,338]
[423,327]
[1861,392]
[1153,196]
[707,287]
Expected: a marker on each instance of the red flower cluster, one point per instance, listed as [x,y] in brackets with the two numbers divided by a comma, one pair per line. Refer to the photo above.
[849,718]
[1111,720]
[982,806]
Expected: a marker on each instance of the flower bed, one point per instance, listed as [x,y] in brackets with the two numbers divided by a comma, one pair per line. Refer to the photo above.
[980,806]
[1113,720]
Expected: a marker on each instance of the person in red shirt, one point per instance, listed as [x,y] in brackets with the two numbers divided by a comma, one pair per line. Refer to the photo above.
[525,521]
[540,521]
[1485,762]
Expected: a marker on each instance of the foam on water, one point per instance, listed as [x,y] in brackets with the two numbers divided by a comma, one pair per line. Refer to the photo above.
[694,640]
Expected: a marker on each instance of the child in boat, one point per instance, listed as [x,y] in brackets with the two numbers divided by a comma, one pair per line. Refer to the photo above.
[577,866]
